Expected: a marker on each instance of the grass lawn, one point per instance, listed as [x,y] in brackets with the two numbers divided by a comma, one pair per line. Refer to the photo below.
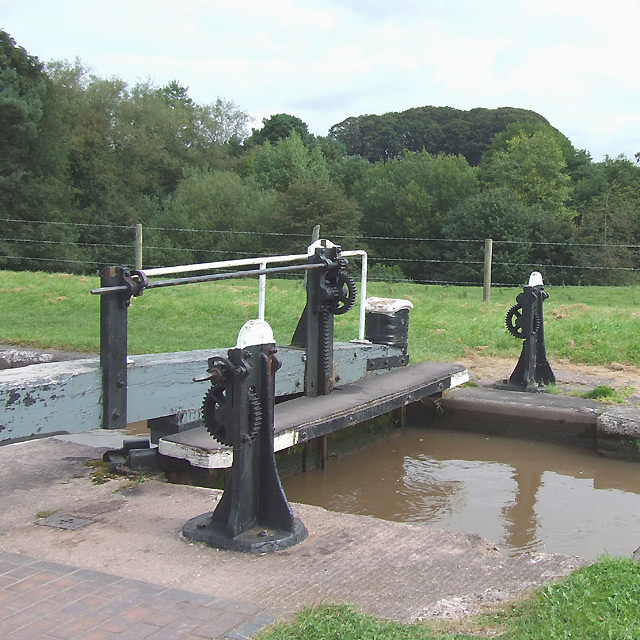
[591,325]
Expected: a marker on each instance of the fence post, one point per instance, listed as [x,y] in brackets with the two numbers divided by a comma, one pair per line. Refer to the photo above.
[488,251]
[138,247]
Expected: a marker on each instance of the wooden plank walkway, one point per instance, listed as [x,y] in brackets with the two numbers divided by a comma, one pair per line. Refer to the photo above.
[304,418]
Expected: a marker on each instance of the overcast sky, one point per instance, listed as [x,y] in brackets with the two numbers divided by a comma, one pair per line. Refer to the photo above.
[573,61]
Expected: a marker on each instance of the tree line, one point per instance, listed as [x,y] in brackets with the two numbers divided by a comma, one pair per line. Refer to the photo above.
[82,157]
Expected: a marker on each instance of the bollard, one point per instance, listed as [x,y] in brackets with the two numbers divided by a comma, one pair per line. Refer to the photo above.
[525,320]
[387,321]
[253,514]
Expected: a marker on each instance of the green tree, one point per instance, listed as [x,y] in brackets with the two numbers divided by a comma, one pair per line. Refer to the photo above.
[610,217]
[278,127]
[277,166]
[310,201]
[495,214]
[533,168]
[213,215]
[432,129]
[410,198]
[33,186]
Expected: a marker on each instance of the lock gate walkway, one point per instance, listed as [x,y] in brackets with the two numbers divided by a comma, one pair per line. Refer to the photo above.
[302,419]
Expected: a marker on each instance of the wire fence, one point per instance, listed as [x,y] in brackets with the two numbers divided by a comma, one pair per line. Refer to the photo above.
[87,248]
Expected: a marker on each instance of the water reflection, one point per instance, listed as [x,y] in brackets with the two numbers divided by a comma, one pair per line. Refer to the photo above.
[521,495]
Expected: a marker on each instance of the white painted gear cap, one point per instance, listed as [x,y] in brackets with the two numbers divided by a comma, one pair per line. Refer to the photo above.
[535,279]
[254,332]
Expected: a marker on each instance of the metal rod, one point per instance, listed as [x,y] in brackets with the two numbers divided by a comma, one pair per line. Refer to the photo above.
[223,264]
[363,288]
[262,291]
[211,277]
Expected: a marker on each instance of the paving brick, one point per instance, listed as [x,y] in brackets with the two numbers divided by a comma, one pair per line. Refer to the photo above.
[164,615]
[220,624]
[16,621]
[96,634]
[5,611]
[178,595]
[114,625]
[96,576]
[21,572]
[138,631]
[51,601]
[74,627]
[7,566]
[41,593]
[88,604]
[76,592]
[31,582]
[108,591]
[34,629]
[243,632]
[196,611]
[9,599]
[54,567]
[141,587]
[176,629]
[122,602]
[15,558]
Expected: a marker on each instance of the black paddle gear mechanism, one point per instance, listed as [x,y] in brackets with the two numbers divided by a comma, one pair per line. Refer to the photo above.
[525,321]
[331,291]
[253,514]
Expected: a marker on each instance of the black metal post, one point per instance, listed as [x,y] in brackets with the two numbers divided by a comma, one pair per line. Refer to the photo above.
[330,291]
[113,348]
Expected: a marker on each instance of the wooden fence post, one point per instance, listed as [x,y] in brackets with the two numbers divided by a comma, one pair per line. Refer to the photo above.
[488,251]
[138,247]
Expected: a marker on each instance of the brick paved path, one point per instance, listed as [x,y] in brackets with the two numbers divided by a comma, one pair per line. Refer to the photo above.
[51,601]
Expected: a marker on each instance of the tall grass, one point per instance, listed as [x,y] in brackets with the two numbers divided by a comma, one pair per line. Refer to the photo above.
[592,325]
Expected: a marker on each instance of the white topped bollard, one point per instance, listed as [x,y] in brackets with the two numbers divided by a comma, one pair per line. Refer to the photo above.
[387,321]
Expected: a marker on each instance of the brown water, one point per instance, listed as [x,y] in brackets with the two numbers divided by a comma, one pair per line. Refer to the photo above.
[520,495]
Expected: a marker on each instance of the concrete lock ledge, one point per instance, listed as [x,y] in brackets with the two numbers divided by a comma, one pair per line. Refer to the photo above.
[17,357]
[613,430]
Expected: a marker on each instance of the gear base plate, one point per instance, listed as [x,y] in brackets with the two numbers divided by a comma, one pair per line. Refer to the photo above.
[256,540]
[505,385]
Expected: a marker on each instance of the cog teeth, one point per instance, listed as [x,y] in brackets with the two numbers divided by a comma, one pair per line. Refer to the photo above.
[255,416]
[513,328]
[213,415]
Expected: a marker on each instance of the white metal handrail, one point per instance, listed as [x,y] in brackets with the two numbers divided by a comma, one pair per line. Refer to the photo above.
[262,263]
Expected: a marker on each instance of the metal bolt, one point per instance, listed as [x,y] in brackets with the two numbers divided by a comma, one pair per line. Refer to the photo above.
[115,414]
[120,383]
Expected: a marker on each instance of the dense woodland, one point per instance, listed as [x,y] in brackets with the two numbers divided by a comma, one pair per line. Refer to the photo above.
[84,158]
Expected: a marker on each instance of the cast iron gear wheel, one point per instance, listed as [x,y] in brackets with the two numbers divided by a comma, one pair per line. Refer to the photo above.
[514,321]
[215,414]
[345,287]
